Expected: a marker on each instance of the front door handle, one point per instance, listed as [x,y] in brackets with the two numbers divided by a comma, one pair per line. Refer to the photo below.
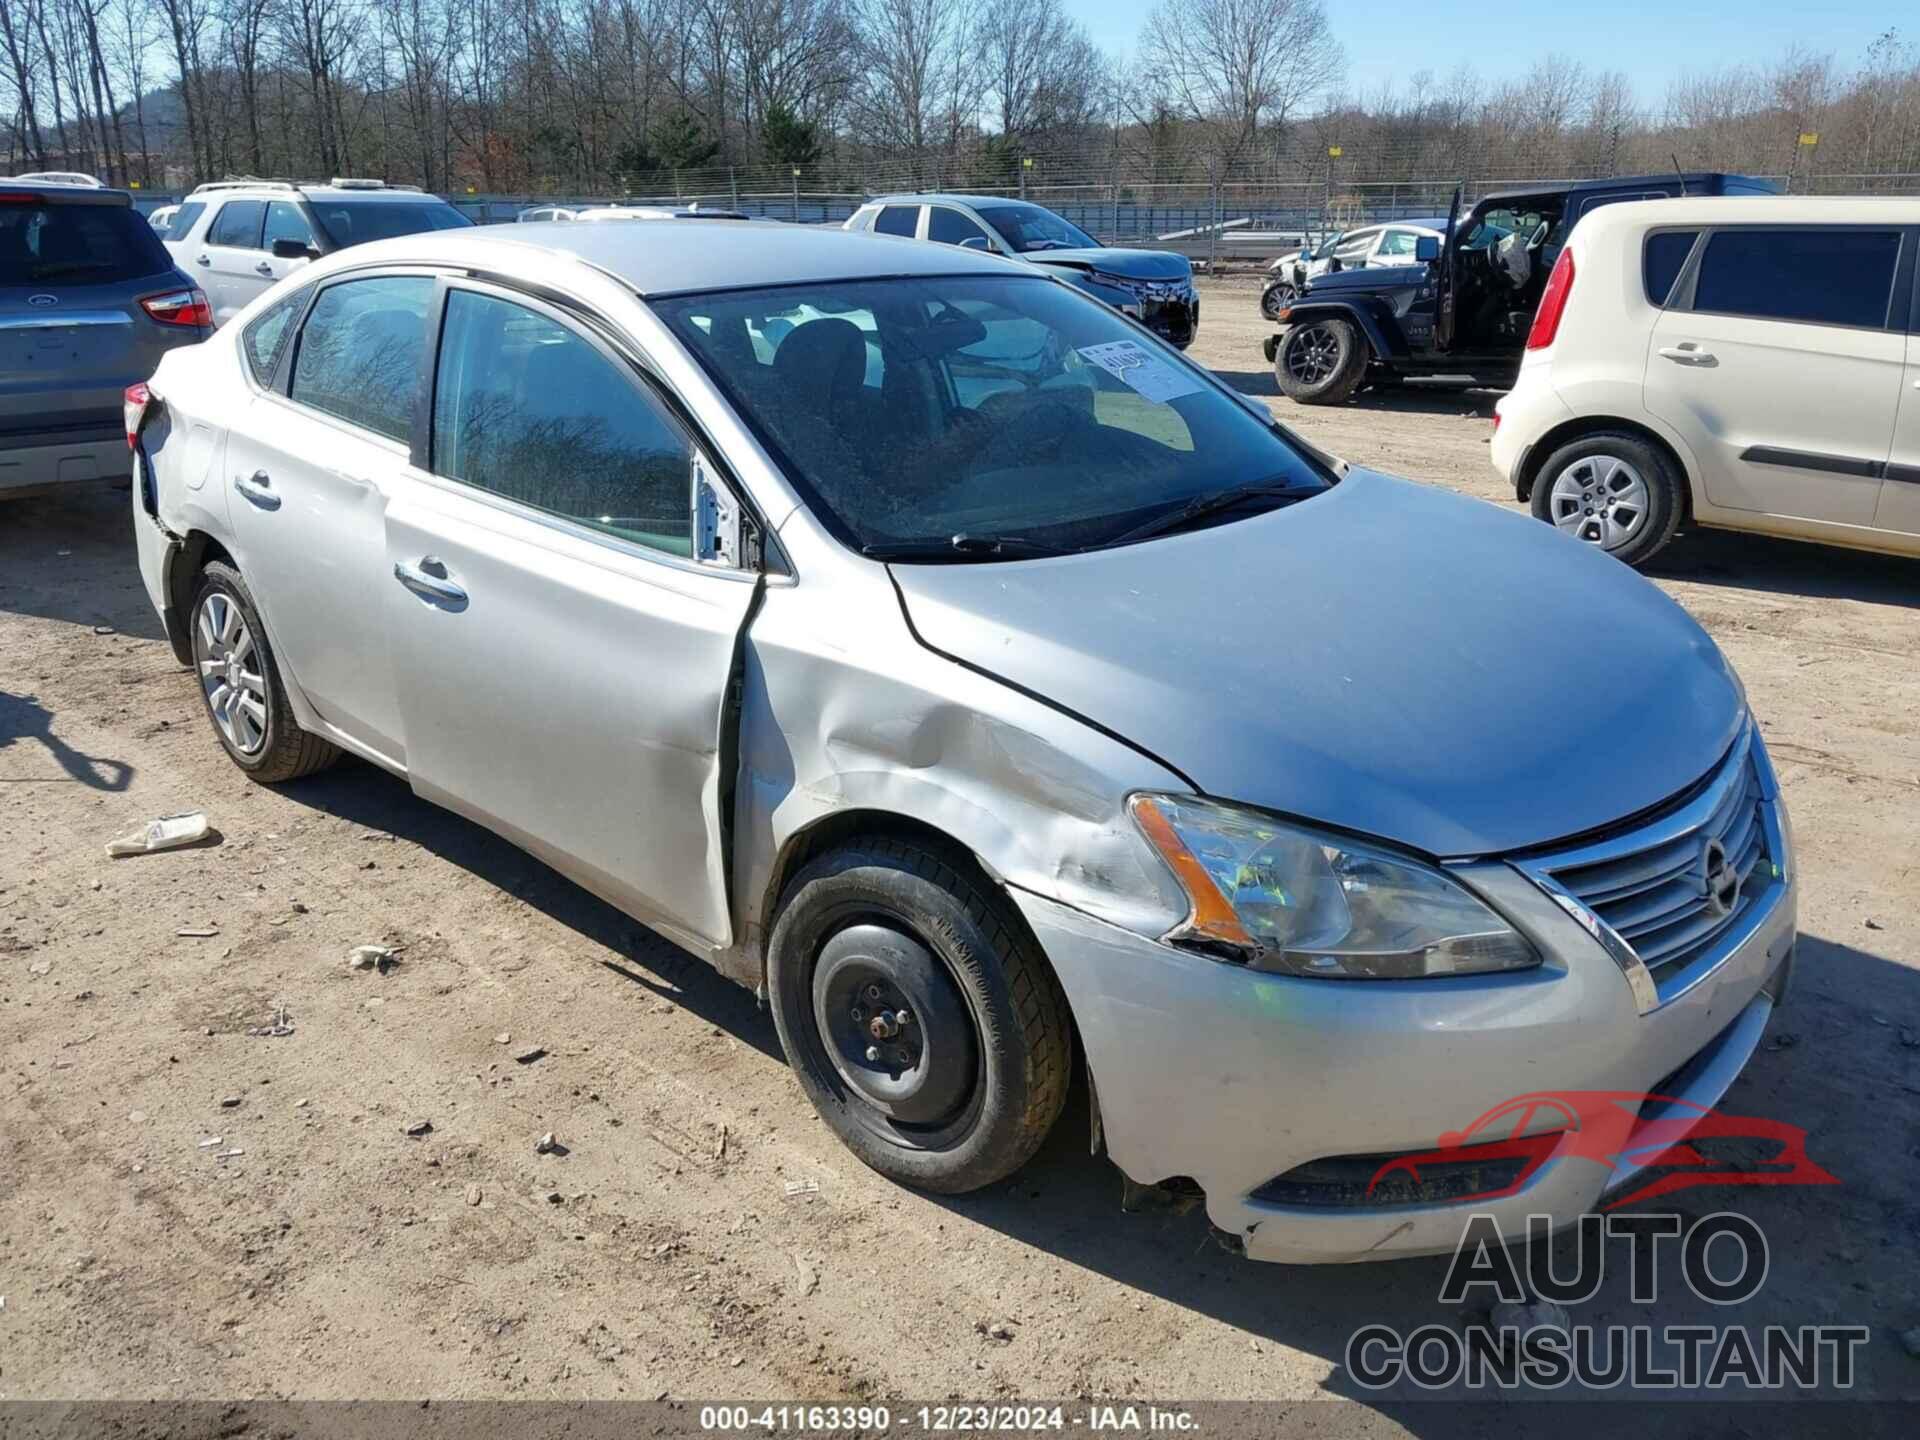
[206,259]
[429,579]
[258,487]
[264,268]
[1688,354]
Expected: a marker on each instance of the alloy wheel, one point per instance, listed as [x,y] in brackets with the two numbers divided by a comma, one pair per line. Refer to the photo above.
[1312,354]
[230,673]
[1600,499]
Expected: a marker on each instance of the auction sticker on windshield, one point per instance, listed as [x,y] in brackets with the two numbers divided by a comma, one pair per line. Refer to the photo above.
[1131,363]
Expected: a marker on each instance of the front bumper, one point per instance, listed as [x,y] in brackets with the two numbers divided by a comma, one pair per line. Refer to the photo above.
[1175,320]
[1233,1077]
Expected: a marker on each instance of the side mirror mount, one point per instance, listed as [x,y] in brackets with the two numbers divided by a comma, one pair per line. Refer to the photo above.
[287,248]
[716,520]
[1426,249]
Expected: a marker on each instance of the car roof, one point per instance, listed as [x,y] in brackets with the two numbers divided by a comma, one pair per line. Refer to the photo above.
[1699,179]
[978,202]
[692,255]
[67,194]
[1758,210]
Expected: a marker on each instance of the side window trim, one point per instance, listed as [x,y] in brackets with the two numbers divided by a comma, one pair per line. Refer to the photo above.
[282,377]
[626,358]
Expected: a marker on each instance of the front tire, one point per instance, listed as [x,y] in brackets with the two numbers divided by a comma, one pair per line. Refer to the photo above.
[1321,362]
[240,684]
[1275,298]
[920,1018]
[1614,490]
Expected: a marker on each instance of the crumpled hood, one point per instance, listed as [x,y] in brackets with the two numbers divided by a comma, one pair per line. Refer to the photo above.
[1388,658]
[1128,264]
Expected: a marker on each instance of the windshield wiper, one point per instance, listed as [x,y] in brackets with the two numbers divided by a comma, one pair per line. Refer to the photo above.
[1201,506]
[964,547]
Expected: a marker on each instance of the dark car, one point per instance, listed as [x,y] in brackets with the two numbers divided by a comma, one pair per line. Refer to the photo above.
[1464,308]
[89,302]
[1154,286]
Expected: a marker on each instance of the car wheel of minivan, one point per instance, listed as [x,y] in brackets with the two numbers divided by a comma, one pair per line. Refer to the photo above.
[1321,362]
[919,1016]
[1613,490]
[241,687]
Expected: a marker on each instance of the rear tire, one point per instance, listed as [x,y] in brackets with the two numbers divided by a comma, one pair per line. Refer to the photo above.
[1321,362]
[963,1091]
[240,684]
[1614,490]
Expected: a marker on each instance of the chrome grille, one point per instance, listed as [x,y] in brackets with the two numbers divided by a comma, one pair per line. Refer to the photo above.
[1662,885]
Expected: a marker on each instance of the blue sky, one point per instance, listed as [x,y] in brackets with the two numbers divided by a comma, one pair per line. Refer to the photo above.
[1652,43]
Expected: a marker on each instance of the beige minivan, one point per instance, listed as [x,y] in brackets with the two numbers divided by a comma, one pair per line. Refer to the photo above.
[1747,363]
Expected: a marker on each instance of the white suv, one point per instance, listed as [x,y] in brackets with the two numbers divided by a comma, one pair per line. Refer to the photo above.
[238,238]
[1748,363]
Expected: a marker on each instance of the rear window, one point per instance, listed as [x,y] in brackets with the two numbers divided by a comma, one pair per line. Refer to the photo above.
[355,222]
[898,220]
[1818,275]
[44,239]
[1667,251]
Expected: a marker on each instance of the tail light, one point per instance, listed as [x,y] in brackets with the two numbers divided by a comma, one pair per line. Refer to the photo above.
[180,307]
[134,405]
[1553,301]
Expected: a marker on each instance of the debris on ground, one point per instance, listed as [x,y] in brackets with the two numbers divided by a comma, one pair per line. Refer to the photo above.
[229,1102]
[802,1187]
[527,1057]
[1525,1316]
[169,832]
[554,1197]
[475,1195]
[420,1127]
[1873,924]
[547,1145]
[999,1330]
[808,1272]
[373,957]
[196,932]
[281,1024]
[209,1142]
[505,1037]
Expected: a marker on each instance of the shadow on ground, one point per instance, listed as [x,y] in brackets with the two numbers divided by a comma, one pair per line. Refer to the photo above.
[23,718]
[69,556]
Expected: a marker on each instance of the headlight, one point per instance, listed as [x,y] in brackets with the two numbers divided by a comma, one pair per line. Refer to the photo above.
[1290,900]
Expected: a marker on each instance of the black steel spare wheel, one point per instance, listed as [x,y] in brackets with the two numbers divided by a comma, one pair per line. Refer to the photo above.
[894,1025]
[917,1012]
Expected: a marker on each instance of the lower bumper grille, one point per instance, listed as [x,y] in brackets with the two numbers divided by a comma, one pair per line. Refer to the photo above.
[1379,1182]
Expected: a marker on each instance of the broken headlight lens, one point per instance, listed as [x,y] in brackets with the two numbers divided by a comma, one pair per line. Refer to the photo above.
[1287,899]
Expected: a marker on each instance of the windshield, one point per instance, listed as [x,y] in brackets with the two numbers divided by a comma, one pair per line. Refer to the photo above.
[43,238]
[355,222]
[960,412]
[1326,246]
[1028,227]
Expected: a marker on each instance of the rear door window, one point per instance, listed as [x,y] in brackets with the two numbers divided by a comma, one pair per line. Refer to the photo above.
[183,221]
[360,352]
[238,224]
[1818,275]
[528,410]
[76,243]
[1666,252]
[898,220]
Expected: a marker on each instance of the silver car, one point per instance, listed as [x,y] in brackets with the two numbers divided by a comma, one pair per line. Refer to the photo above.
[992,689]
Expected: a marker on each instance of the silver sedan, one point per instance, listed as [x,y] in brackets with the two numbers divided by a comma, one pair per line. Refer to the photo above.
[930,648]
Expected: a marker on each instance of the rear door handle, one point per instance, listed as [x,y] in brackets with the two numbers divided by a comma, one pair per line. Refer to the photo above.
[429,578]
[258,487]
[206,259]
[1688,354]
[264,268]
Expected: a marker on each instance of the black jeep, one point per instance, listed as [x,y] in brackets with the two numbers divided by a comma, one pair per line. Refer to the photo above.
[1465,307]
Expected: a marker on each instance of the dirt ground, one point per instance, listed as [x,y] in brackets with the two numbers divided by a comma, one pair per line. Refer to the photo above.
[191,1208]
